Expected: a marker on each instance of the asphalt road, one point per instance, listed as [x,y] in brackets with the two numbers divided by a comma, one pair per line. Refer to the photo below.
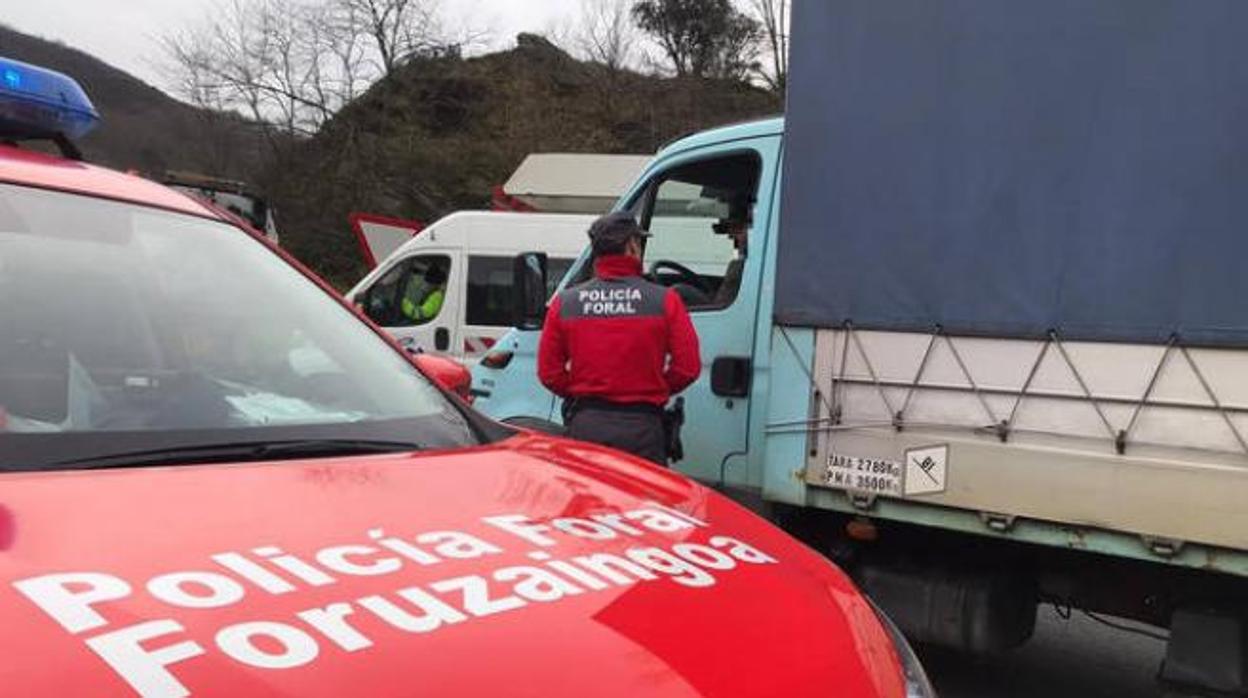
[1076,658]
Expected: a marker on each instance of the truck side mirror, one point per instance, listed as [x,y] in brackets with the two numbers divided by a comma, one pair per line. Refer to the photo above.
[529,288]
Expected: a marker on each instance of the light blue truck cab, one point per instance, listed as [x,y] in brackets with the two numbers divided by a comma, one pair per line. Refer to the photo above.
[993,354]
[688,189]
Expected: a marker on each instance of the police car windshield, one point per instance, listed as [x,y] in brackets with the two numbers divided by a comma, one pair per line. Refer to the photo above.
[128,329]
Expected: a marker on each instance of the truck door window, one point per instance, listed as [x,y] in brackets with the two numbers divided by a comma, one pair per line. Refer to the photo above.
[699,216]
[411,293]
[490,295]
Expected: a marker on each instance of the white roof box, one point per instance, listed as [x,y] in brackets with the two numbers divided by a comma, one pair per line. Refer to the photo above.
[574,182]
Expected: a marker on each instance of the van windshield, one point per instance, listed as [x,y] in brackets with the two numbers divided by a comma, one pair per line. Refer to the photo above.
[130,330]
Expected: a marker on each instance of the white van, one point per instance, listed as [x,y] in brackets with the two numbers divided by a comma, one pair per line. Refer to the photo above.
[469,254]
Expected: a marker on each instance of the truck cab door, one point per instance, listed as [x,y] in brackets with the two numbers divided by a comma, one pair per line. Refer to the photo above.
[708,212]
[404,300]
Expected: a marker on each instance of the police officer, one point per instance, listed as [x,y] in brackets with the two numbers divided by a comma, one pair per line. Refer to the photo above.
[617,347]
[737,227]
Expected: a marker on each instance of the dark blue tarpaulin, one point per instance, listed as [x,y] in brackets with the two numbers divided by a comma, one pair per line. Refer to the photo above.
[1008,167]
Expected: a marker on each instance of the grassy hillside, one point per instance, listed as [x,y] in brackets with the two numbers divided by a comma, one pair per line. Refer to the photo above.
[436,136]
[433,138]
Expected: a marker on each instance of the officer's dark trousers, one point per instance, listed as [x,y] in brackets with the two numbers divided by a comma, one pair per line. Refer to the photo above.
[637,431]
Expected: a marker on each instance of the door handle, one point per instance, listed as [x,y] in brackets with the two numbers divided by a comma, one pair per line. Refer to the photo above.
[730,376]
[441,339]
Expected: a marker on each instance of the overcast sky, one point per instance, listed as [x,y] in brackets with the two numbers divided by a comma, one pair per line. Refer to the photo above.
[126,33]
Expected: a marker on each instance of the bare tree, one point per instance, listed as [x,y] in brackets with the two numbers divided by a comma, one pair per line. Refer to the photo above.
[243,58]
[607,34]
[294,63]
[397,29]
[773,17]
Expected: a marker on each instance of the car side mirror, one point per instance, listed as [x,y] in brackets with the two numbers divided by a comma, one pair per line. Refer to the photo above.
[529,287]
[449,374]
[364,301]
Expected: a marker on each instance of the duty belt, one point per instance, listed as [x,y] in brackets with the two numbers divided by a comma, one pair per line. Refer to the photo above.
[593,403]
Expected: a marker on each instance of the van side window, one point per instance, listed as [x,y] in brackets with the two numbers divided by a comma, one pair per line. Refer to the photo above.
[489,291]
[411,293]
[490,295]
[699,216]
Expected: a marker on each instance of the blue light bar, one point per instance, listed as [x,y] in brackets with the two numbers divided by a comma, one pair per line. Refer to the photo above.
[40,103]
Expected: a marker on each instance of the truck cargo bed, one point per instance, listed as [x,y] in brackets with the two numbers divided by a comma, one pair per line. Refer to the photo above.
[1144,439]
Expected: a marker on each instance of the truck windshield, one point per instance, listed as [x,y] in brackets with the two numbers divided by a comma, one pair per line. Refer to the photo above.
[130,330]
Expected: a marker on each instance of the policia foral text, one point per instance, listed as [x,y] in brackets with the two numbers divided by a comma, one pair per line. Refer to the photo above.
[617,347]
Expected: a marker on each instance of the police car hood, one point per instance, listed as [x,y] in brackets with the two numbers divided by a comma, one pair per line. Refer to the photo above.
[532,567]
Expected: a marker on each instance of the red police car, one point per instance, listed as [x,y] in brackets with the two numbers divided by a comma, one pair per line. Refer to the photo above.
[215,479]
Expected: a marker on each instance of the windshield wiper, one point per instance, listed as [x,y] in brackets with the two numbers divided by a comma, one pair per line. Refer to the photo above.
[241,452]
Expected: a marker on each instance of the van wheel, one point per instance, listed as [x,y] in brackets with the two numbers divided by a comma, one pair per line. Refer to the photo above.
[544,426]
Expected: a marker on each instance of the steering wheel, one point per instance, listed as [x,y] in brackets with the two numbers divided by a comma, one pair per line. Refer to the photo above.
[687,276]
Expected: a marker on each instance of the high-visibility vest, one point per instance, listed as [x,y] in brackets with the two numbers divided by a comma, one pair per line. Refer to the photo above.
[427,309]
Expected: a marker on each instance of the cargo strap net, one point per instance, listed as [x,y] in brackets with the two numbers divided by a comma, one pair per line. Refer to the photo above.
[829,387]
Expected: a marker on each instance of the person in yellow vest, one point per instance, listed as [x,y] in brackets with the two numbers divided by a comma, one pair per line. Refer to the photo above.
[423,298]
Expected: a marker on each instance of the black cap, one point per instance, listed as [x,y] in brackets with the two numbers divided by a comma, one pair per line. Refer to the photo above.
[435,274]
[614,230]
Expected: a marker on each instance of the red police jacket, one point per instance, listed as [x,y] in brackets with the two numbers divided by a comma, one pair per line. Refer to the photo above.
[619,338]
